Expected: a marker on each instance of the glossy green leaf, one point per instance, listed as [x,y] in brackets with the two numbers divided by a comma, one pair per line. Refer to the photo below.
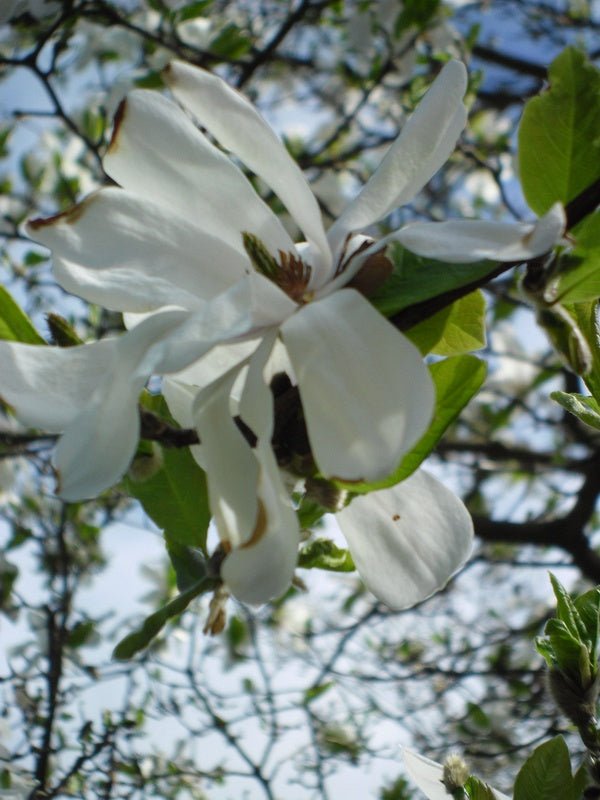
[457,380]
[324,554]
[578,273]
[559,135]
[579,277]
[415,279]
[139,639]
[15,325]
[457,329]
[584,407]
[546,775]
[175,497]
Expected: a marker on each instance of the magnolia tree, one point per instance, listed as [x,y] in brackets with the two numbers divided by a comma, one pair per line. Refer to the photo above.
[309,290]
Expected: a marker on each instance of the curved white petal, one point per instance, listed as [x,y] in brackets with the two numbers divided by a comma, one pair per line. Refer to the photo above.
[97,448]
[256,402]
[240,128]
[232,469]
[129,254]
[208,369]
[428,776]
[245,311]
[463,241]
[158,153]
[50,386]
[99,443]
[263,568]
[424,144]
[366,393]
[407,541]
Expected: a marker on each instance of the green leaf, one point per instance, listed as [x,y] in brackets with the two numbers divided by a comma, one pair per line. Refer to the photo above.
[189,564]
[546,775]
[415,279]
[316,691]
[559,135]
[417,13]
[193,10]
[578,270]
[588,606]
[457,329]
[566,610]
[152,625]
[585,316]
[231,42]
[324,554]
[309,512]
[175,498]
[15,325]
[584,407]
[477,790]
[456,380]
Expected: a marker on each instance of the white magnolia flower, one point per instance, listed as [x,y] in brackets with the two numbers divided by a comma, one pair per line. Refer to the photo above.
[405,541]
[429,777]
[186,242]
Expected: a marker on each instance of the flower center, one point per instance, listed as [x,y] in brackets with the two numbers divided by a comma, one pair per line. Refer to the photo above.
[290,273]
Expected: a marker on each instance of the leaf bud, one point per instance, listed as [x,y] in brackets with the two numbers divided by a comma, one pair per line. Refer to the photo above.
[146,464]
[576,702]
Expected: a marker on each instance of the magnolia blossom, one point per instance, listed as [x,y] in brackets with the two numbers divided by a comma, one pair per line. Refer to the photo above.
[195,258]
[405,541]
[429,777]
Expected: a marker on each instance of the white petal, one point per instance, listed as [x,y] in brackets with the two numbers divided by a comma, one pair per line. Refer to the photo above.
[240,128]
[366,393]
[245,311]
[97,448]
[256,402]
[427,774]
[232,469]
[50,386]
[263,568]
[407,541]
[99,443]
[158,153]
[127,253]
[200,374]
[459,241]
[425,143]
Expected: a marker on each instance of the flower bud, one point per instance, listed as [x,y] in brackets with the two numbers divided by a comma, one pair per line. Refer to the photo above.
[456,773]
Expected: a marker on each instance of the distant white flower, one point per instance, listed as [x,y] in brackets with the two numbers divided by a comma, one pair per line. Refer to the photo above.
[429,777]
[14,784]
[37,8]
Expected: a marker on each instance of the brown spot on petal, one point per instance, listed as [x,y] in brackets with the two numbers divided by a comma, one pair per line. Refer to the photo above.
[396,517]
[69,216]
[373,274]
[118,121]
[167,74]
[259,529]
